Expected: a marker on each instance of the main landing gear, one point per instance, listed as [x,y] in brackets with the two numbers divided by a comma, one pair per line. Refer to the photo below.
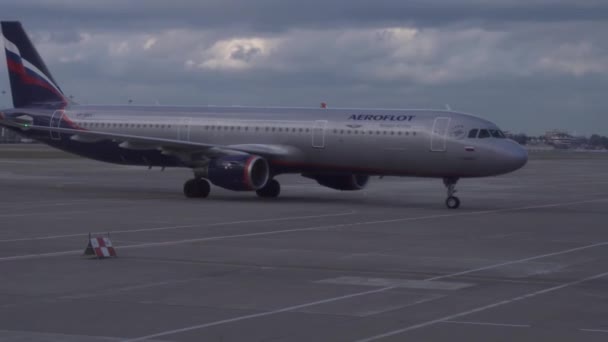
[452,201]
[197,188]
[200,188]
[272,189]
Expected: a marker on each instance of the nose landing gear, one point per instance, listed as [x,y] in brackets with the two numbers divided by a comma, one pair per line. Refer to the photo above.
[452,202]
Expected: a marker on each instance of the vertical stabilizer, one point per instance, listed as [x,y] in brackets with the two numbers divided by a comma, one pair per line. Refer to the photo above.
[31,82]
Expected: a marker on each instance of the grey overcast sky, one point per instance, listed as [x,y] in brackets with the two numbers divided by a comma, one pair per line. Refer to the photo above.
[528,65]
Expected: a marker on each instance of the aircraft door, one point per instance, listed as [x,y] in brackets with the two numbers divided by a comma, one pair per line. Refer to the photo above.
[56,123]
[183,129]
[439,134]
[318,134]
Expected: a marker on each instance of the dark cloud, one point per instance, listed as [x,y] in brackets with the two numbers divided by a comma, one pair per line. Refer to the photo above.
[280,15]
[527,65]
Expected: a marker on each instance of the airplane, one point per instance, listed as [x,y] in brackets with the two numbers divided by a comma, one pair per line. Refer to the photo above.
[245,148]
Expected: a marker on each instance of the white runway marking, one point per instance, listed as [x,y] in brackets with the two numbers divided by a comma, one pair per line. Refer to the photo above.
[125,289]
[41,255]
[518,261]
[595,330]
[261,314]
[128,231]
[490,324]
[481,308]
[284,231]
[57,213]
[401,283]
[18,335]
[19,162]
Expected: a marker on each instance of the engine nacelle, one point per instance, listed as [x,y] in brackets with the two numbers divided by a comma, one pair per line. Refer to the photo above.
[238,172]
[341,182]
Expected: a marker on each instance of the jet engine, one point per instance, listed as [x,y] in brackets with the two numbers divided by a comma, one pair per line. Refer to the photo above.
[238,172]
[341,182]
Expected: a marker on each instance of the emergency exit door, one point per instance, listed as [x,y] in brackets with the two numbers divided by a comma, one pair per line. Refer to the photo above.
[439,134]
[318,134]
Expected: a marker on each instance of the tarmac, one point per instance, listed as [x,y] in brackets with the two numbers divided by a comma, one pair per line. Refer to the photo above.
[524,259]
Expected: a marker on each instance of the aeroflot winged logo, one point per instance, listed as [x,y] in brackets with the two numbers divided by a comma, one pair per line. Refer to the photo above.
[385,117]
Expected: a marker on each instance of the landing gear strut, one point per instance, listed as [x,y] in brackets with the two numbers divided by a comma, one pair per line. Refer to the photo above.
[197,188]
[452,201]
[272,189]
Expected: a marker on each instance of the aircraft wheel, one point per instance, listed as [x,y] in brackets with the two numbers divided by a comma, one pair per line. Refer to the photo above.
[196,188]
[452,202]
[272,189]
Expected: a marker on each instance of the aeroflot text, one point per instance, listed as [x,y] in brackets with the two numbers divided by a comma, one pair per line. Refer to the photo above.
[381,117]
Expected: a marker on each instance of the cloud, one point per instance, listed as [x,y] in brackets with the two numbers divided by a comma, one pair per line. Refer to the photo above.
[235,54]
[526,64]
[149,43]
[577,59]
[281,15]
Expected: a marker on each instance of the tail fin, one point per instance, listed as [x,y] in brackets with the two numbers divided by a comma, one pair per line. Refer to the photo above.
[31,82]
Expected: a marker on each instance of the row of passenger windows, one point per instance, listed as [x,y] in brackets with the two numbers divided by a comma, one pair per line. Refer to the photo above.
[486,133]
[362,132]
[121,125]
[239,128]
[257,129]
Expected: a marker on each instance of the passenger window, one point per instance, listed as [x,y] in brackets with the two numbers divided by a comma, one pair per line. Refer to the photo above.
[473,133]
[484,133]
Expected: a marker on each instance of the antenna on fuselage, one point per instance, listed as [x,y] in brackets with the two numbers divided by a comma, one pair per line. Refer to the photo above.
[447,107]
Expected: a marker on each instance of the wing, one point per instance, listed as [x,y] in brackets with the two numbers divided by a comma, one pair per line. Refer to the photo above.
[185,150]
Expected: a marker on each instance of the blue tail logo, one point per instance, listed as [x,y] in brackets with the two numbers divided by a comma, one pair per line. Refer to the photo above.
[31,82]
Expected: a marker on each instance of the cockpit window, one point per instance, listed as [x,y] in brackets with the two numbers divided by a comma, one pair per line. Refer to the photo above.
[497,133]
[484,133]
[473,133]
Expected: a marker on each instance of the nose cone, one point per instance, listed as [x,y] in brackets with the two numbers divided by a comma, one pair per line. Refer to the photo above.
[514,156]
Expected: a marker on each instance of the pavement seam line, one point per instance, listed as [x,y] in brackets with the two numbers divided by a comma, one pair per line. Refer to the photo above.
[284,231]
[256,315]
[481,308]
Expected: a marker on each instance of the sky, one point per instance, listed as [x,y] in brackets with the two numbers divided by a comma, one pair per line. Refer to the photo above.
[527,65]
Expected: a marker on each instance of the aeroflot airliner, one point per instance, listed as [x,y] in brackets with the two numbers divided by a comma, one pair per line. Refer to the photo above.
[244,149]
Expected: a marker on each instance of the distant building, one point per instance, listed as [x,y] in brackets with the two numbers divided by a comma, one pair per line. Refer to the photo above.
[559,139]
